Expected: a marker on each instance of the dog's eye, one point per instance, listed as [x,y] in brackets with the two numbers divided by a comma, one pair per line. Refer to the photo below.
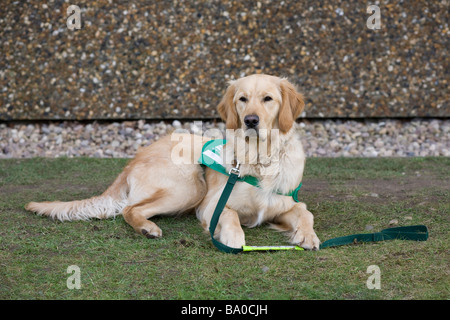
[267,99]
[243,99]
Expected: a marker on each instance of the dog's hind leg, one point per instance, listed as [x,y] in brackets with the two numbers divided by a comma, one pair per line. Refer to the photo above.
[136,215]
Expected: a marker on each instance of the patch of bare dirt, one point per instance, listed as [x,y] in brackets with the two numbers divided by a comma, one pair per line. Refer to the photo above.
[377,190]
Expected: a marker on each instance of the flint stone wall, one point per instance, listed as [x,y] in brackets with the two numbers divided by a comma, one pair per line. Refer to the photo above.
[172,59]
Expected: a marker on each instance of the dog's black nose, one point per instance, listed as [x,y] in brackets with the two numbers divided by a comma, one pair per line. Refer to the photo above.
[251,121]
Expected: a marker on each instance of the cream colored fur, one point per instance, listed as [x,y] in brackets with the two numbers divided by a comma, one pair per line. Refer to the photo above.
[164,178]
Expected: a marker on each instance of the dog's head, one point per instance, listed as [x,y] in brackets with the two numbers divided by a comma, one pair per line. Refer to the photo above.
[261,102]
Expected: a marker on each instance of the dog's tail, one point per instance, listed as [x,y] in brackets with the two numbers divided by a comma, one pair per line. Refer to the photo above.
[107,205]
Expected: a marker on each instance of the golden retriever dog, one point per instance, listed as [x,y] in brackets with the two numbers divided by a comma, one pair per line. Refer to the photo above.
[259,110]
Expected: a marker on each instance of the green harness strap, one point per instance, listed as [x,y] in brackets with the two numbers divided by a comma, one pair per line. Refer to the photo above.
[418,233]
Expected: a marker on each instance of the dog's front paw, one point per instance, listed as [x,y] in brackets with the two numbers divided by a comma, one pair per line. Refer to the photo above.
[306,239]
[233,239]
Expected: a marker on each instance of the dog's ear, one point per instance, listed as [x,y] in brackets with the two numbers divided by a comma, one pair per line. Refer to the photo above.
[227,110]
[292,105]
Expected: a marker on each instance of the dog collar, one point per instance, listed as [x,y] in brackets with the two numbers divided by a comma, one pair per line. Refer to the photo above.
[211,157]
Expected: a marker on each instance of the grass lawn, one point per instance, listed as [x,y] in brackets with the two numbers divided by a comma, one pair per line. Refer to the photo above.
[346,196]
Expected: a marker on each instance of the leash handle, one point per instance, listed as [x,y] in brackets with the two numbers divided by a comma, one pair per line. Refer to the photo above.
[417,233]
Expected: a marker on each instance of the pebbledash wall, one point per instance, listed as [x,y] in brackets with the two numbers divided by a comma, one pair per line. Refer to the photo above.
[172,59]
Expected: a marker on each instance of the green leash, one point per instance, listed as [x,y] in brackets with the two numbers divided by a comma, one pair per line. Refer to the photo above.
[218,211]
[417,233]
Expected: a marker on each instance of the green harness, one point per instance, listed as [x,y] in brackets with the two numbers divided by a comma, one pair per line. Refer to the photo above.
[211,157]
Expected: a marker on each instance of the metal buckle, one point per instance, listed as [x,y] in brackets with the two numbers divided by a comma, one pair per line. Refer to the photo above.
[235,170]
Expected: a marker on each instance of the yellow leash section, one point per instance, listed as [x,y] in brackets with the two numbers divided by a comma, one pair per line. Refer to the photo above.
[270,248]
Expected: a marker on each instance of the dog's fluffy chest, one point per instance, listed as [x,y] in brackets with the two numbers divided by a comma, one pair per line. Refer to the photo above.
[255,205]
